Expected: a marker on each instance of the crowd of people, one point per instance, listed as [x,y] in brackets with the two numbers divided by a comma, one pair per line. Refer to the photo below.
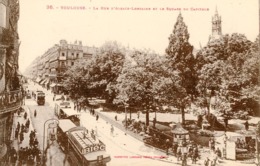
[24,155]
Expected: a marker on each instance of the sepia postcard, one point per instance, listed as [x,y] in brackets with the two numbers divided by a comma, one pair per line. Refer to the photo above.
[129,82]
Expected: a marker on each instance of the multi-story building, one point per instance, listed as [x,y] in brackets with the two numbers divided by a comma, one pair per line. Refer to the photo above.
[49,68]
[11,92]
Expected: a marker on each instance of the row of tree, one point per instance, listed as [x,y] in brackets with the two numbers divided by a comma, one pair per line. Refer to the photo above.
[227,68]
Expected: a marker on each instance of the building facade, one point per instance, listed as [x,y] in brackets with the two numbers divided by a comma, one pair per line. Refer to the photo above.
[11,91]
[49,68]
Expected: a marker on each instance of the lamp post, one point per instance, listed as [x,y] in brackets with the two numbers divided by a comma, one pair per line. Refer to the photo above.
[126,105]
[184,151]
[43,148]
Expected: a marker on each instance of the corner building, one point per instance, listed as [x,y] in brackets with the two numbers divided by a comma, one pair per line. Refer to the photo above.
[11,88]
[48,69]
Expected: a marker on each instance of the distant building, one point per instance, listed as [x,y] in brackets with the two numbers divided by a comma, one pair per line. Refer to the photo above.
[49,68]
[216,27]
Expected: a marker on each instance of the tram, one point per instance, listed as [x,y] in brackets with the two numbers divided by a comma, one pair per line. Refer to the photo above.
[40,97]
[63,110]
[82,146]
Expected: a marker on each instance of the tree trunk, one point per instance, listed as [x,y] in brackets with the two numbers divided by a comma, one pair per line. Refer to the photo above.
[147,117]
[208,105]
[183,116]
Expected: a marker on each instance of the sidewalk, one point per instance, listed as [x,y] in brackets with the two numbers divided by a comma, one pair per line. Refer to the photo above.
[53,152]
[21,120]
[127,142]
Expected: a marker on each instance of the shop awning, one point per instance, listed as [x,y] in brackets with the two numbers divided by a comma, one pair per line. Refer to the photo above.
[43,81]
[53,85]
[59,84]
[38,79]
[47,81]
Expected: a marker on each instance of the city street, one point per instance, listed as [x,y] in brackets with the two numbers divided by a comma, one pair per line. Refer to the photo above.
[121,147]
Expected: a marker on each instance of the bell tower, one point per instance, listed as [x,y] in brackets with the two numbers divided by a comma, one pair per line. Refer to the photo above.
[216,26]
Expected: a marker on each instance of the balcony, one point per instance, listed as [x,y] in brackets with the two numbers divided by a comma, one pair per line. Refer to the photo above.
[10,101]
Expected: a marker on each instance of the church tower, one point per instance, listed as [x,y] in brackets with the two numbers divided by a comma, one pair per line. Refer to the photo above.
[216,26]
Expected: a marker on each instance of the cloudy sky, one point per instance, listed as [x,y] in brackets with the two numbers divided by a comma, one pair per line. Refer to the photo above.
[41,27]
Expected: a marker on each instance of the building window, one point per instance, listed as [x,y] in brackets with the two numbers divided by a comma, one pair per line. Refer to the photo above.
[77,55]
[63,54]
[2,15]
[72,63]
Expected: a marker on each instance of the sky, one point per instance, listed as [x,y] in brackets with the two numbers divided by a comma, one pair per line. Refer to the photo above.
[40,27]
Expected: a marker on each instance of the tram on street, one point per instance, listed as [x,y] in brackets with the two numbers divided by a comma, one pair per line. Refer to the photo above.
[40,97]
[63,110]
[82,146]
[62,133]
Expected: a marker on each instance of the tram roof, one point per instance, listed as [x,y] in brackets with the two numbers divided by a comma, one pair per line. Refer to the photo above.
[84,141]
[66,124]
[70,111]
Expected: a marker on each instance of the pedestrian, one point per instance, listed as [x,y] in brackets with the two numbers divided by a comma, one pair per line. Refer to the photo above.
[30,160]
[13,156]
[112,130]
[246,125]
[194,157]
[167,146]
[226,121]
[218,152]
[36,142]
[97,118]
[38,159]
[18,127]
[21,156]
[25,115]
[31,141]
[154,122]
[27,124]
[35,113]
[22,128]
[184,159]
[16,134]
[116,117]
[178,154]
[21,137]
[206,162]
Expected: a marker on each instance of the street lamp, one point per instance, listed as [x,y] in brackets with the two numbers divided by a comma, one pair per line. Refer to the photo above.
[126,105]
[184,151]
[43,148]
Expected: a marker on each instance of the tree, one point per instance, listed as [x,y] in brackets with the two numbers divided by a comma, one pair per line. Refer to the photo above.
[137,81]
[90,77]
[181,67]
[75,82]
[220,65]
[104,69]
